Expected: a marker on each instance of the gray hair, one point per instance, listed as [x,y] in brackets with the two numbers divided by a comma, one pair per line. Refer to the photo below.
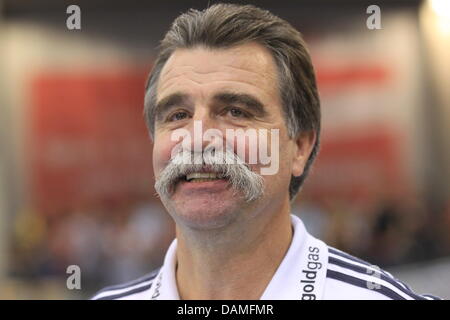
[224,162]
[227,25]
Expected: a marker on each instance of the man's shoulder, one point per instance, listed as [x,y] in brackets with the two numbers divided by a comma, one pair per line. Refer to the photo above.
[135,289]
[349,277]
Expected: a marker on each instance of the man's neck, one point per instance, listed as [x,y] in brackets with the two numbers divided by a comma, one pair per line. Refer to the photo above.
[238,267]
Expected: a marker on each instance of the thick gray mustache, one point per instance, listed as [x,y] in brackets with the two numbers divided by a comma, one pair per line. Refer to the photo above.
[225,163]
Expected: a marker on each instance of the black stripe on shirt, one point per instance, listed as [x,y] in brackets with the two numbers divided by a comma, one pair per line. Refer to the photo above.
[432,297]
[379,275]
[126,293]
[355,259]
[144,278]
[350,257]
[362,284]
[152,275]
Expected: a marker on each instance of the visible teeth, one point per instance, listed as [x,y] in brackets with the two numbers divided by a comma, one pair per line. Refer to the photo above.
[202,175]
[201,180]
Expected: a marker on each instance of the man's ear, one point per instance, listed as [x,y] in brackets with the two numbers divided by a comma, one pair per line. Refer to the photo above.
[304,143]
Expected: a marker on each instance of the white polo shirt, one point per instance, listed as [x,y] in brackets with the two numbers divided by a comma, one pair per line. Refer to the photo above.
[310,270]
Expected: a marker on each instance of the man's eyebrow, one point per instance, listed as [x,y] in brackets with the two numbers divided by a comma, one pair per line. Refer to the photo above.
[171,100]
[247,100]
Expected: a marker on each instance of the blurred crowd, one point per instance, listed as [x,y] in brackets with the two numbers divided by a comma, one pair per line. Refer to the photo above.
[111,243]
[124,240]
[386,233]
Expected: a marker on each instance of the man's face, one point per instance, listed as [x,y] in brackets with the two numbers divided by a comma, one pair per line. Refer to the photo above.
[196,85]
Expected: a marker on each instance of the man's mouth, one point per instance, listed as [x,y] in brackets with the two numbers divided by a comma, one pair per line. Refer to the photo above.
[203,176]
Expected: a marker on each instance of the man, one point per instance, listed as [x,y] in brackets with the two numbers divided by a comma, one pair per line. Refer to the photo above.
[233,69]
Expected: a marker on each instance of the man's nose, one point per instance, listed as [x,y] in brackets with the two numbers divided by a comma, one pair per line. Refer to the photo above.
[204,130]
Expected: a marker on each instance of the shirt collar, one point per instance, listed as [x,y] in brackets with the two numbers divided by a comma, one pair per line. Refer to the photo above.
[284,283]
[165,285]
[301,274]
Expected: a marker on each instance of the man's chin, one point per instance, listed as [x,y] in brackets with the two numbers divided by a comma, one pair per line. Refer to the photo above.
[204,212]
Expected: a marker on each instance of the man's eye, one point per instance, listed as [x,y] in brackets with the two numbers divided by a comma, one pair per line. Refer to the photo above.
[180,115]
[237,113]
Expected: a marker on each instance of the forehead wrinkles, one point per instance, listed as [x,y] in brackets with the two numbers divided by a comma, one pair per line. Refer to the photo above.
[251,67]
[232,76]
